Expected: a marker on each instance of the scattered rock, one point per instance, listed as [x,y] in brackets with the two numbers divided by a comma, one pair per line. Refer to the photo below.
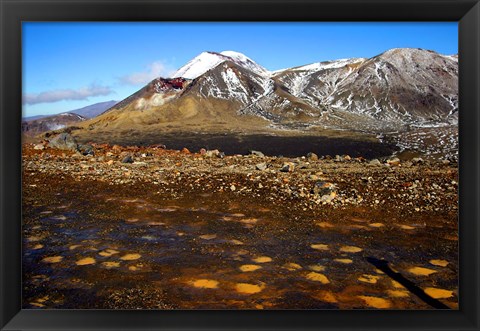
[417,160]
[39,147]
[86,149]
[375,162]
[312,157]
[287,167]
[257,153]
[323,188]
[127,159]
[261,166]
[394,161]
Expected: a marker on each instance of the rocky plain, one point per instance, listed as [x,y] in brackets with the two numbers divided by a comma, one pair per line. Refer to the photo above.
[147,227]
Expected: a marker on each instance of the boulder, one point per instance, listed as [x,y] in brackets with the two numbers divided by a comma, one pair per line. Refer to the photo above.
[287,167]
[257,153]
[312,157]
[86,149]
[261,166]
[127,159]
[63,141]
[323,188]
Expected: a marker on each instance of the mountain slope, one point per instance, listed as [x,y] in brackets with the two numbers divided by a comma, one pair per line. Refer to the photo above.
[227,91]
[49,123]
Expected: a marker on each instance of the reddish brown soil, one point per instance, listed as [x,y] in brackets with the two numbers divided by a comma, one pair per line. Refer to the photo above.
[180,230]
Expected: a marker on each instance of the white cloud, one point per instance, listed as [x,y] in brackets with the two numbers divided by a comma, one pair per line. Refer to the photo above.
[67,94]
[153,70]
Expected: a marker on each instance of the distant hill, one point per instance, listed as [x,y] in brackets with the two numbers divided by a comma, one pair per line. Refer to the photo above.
[86,112]
[48,123]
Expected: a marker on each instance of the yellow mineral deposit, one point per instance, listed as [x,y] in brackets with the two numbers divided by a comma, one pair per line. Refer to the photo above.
[108,252]
[375,302]
[249,267]
[320,247]
[376,225]
[345,261]
[33,239]
[86,261]
[208,236]
[52,259]
[439,263]
[438,293]
[249,220]
[316,267]
[37,246]
[396,284]
[205,283]
[406,227]
[130,257]
[246,288]
[325,225]
[292,266]
[110,264]
[350,249]
[262,259]
[317,277]
[371,279]
[421,271]
[236,242]
[326,296]
[72,247]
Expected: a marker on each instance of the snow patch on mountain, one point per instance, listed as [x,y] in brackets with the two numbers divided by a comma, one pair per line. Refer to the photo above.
[209,60]
[328,64]
[200,65]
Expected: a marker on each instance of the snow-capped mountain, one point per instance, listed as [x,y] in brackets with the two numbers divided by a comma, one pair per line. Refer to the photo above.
[209,60]
[397,89]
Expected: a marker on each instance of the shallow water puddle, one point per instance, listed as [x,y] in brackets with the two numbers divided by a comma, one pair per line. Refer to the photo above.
[439,263]
[376,302]
[262,259]
[371,279]
[205,283]
[249,267]
[111,264]
[438,293]
[108,252]
[292,266]
[421,271]
[317,277]
[131,257]
[52,259]
[86,261]
[320,247]
[208,236]
[246,288]
[350,249]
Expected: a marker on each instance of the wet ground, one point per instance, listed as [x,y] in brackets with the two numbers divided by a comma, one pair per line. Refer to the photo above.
[98,244]
[353,144]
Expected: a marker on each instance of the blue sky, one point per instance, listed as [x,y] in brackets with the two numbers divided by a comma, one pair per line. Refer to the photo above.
[72,65]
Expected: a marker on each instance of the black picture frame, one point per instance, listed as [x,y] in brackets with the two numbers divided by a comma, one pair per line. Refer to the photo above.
[14,12]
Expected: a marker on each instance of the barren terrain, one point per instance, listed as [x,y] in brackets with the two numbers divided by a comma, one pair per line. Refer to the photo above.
[146,227]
